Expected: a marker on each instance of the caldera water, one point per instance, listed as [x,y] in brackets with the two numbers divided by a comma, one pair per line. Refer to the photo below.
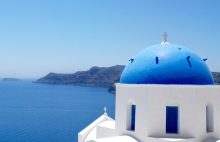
[31,112]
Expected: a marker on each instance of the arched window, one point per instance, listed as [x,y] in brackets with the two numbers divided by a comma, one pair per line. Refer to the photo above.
[172,117]
[209,118]
[130,115]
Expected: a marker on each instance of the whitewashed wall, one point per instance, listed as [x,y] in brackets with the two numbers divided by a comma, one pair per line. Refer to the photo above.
[151,102]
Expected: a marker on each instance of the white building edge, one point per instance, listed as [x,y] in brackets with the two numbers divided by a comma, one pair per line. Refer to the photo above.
[180,110]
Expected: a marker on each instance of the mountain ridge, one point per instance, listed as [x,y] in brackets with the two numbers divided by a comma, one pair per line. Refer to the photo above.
[95,76]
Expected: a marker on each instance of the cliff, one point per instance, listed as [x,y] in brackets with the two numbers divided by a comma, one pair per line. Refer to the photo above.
[112,88]
[216,77]
[95,76]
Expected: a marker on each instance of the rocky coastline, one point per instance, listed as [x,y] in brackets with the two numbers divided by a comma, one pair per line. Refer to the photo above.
[95,76]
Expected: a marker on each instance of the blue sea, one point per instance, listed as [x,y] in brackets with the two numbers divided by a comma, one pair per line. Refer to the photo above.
[31,112]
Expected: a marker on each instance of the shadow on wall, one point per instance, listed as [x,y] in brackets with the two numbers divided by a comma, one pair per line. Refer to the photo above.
[211,140]
[209,118]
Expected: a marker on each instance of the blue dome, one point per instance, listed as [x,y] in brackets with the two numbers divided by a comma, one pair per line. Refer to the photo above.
[167,64]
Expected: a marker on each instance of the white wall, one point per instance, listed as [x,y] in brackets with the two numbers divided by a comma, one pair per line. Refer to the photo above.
[87,131]
[151,102]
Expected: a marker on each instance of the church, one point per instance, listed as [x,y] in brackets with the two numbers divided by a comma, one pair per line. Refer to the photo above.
[166,93]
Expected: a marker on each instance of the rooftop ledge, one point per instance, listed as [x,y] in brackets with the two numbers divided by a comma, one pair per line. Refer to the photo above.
[166,85]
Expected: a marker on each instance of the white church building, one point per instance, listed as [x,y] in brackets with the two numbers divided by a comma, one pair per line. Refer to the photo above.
[166,93]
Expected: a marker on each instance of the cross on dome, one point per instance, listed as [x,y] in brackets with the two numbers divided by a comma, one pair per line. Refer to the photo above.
[165,38]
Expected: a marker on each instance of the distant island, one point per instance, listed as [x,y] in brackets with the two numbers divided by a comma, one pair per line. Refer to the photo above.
[95,76]
[11,79]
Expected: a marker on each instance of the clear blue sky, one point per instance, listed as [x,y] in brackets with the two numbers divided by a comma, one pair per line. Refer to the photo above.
[65,36]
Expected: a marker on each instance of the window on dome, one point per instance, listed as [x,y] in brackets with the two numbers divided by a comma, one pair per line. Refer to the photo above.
[209,118]
[131,114]
[172,119]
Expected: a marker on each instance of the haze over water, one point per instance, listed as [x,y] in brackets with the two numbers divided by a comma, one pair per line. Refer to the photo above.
[40,112]
[38,37]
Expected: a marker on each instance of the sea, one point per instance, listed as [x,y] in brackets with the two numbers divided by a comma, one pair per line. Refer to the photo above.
[31,112]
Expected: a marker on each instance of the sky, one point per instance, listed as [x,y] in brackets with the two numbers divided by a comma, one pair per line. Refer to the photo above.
[65,36]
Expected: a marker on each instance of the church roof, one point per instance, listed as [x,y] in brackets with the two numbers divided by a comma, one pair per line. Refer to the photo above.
[167,64]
